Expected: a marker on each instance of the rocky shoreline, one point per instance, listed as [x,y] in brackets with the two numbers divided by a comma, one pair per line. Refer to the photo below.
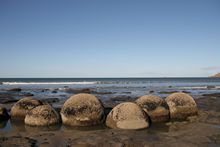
[203,130]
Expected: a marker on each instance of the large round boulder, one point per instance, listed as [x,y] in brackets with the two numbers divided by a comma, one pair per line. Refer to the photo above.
[4,114]
[127,115]
[82,110]
[181,106]
[43,115]
[155,107]
[23,106]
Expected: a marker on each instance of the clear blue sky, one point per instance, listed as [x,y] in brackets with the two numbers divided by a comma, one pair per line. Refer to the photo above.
[109,38]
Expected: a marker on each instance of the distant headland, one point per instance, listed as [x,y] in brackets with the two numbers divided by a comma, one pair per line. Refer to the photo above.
[216,75]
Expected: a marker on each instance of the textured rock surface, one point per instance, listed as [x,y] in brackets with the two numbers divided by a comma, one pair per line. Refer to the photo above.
[216,75]
[43,115]
[127,115]
[155,107]
[181,106]
[23,106]
[82,110]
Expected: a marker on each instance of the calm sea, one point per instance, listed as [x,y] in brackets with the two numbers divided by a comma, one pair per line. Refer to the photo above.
[115,81]
[133,86]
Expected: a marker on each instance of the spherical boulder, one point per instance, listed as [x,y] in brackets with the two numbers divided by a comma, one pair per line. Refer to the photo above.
[181,106]
[4,114]
[43,115]
[82,110]
[23,106]
[155,107]
[127,115]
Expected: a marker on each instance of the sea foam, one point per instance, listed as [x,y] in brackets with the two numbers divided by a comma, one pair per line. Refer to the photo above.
[48,83]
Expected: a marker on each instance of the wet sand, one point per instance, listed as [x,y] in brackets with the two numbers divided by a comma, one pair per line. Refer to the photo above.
[202,130]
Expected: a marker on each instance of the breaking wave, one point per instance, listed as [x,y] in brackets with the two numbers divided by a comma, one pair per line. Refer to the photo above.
[48,83]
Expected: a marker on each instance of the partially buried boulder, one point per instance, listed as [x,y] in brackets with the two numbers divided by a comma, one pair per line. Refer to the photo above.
[23,106]
[82,110]
[181,106]
[155,107]
[4,114]
[43,115]
[127,115]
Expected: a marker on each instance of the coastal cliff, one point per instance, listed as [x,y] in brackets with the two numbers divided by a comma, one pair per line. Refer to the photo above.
[216,75]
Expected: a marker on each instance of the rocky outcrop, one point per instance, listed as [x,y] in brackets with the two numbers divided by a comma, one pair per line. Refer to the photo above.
[216,75]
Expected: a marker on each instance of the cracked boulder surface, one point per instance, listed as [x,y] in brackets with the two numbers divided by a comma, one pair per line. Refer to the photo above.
[43,115]
[82,110]
[155,107]
[20,109]
[127,115]
[181,106]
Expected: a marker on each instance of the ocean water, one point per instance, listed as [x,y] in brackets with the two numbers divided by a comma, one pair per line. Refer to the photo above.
[113,81]
[119,86]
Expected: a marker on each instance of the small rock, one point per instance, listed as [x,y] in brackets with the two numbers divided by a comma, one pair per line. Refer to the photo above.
[28,94]
[15,89]
[54,91]
[77,91]
[121,98]
[151,91]
[210,87]
[127,92]
[45,90]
